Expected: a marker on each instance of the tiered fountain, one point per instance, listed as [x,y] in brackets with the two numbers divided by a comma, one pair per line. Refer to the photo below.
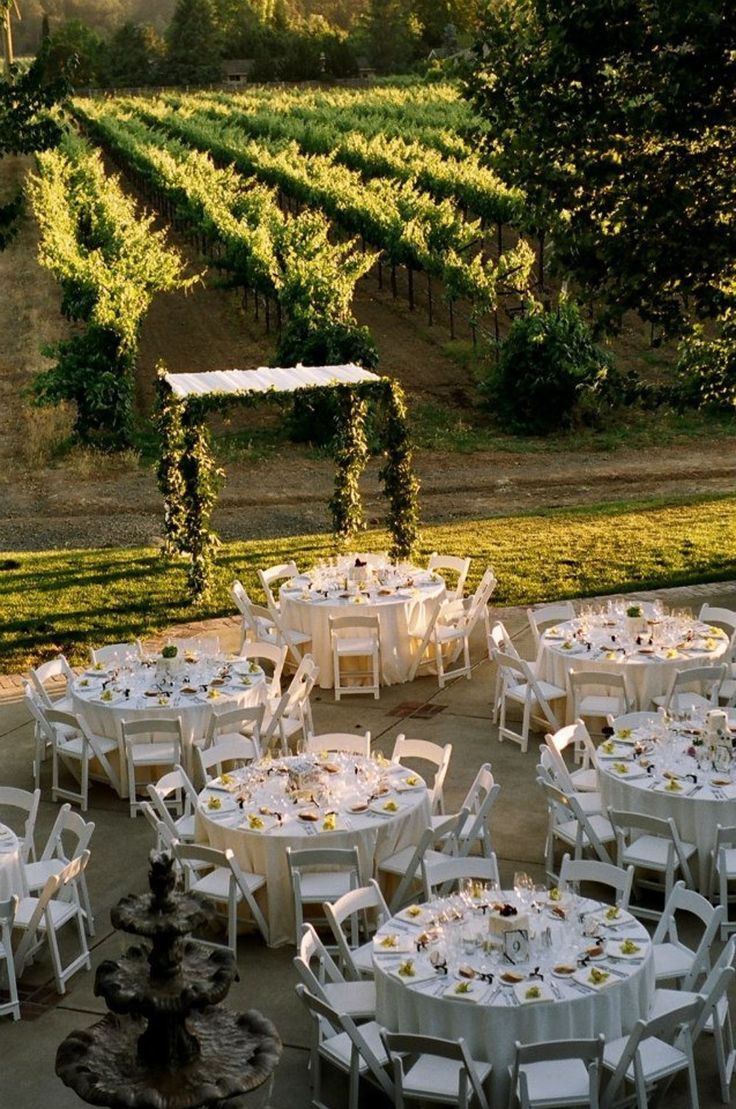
[167,1043]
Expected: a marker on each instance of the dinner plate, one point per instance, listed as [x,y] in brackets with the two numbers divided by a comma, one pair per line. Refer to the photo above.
[113,699]
[422,971]
[587,976]
[467,989]
[227,804]
[392,943]
[605,921]
[522,992]
[407,786]
[414,914]
[380,807]
[614,949]
[253,821]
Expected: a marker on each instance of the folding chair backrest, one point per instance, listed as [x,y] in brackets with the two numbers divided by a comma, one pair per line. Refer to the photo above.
[418,749]
[233,720]
[574,871]
[716,986]
[565,737]
[709,679]
[454,870]
[724,618]
[480,598]
[311,948]
[240,597]
[456,564]
[271,652]
[554,764]
[27,802]
[55,668]
[683,900]
[188,853]
[273,574]
[610,679]
[240,751]
[541,618]
[150,728]
[344,623]
[340,741]
[634,720]
[401,1045]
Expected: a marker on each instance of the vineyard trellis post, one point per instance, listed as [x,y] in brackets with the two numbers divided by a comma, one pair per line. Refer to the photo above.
[189,477]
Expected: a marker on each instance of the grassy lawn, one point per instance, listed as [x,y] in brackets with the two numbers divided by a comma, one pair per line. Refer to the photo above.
[66,600]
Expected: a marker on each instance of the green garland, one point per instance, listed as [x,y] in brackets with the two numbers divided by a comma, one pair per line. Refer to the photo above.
[190,479]
[350,448]
[168,421]
[201,477]
[400,483]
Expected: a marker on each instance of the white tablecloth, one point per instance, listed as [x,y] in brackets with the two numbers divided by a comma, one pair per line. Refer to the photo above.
[375,836]
[193,709]
[11,866]
[399,610]
[648,675]
[492,1026]
[696,811]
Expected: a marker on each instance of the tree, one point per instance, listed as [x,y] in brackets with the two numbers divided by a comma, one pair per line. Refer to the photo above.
[392,35]
[134,56]
[192,40]
[76,51]
[616,117]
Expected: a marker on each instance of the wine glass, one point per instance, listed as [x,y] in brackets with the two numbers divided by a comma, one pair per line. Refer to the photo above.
[523,887]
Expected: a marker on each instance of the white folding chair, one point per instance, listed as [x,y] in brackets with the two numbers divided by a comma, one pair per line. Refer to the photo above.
[228,755]
[356,1050]
[149,744]
[23,822]
[499,639]
[345,742]
[42,918]
[321,874]
[423,750]
[477,803]
[427,1068]
[225,881]
[356,637]
[723,618]
[357,999]
[577,737]
[116,654]
[568,823]
[653,844]
[633,721]
[455,565]
[618,880]
[43,736]
[447,872]
[275,656]
[175,789]
[357,905]
[450,630]
[723,871]
[7,916]
[243,722]
[251,631]
[682,697]
[673,959]
[75,743]
[653,1052]
[55,671]
[547,616]
[552,764]
[556,1073]
[293,713]
[405,865]
[520,686]
[598,694]
[273,574]
[68,839]
[715,1016]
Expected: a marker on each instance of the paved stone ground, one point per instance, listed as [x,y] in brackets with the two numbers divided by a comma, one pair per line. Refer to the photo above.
[460,714]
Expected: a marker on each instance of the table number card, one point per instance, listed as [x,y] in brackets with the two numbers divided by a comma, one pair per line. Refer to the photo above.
[516,945]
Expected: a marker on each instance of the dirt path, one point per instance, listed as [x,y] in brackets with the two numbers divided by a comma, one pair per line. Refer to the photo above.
[85,500]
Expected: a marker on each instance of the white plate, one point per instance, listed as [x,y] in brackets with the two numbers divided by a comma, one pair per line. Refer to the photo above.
[225,787]
[268,822]
[623,918]
[227,804]
[404,787]
[632,771]
[686,788]
[414,918]
[467,989]
[422,972]
[613,949]
[221,696]
[583,977]
[379,807]
[112,700]
[94,672]
[400,944]
[545,993]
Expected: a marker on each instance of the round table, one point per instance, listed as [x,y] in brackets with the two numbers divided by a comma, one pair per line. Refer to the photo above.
[635,783]
[191,691]
[402,597]
[493,1016]
[607,642]
[339,783]
[12,880]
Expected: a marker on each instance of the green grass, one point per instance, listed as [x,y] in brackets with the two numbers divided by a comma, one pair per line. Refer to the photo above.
[67,600]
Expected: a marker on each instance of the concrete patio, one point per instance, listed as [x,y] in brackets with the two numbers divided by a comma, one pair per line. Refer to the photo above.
[459,714]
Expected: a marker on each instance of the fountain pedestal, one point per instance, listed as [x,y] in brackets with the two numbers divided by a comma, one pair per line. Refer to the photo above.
[167,1042]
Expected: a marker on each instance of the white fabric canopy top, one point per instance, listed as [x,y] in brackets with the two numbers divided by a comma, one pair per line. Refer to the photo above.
[265,379]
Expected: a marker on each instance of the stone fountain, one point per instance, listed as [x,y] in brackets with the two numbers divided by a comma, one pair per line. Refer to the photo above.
[167,1042]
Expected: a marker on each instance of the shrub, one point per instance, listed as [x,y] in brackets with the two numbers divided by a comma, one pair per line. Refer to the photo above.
[549,371]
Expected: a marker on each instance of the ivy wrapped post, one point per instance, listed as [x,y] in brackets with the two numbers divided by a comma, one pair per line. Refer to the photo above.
[201,479]
[400,483]
[351,454]
[168,423]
